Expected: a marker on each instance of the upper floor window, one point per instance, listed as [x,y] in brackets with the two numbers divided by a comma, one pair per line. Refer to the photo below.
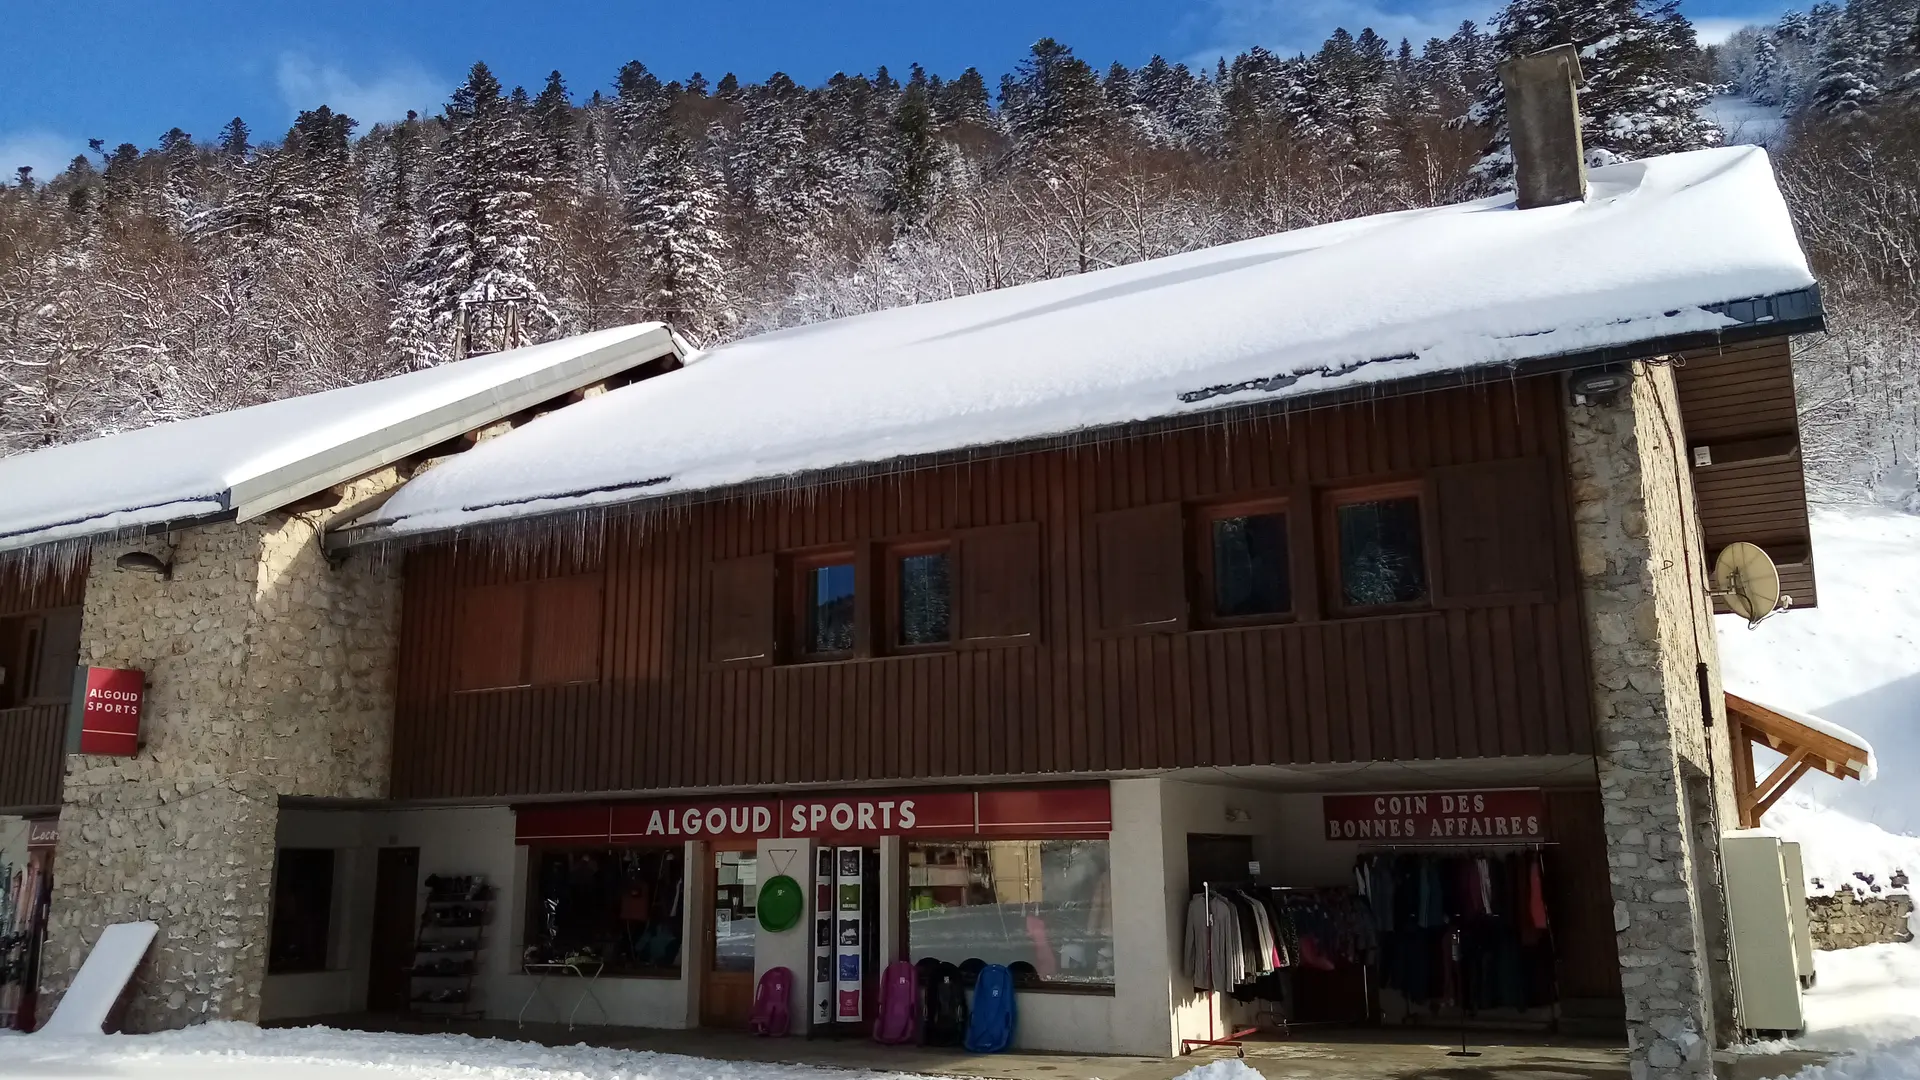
[38,654]
[922,610]
[826,607]
[1381,561]
[1245,562]
[528,633]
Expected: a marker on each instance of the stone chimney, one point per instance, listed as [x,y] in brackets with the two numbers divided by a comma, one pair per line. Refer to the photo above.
[1543,120]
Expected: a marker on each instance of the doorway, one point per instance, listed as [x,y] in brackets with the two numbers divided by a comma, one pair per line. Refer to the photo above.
[733,884]
[396,893]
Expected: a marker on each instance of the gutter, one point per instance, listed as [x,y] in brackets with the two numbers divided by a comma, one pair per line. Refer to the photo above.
[1781,315]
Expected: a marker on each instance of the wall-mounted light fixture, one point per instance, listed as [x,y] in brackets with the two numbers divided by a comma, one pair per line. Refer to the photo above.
[142,562]
[1597,386]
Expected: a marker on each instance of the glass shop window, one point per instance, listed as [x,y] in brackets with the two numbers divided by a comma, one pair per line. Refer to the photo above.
[616,906]
[1044,908]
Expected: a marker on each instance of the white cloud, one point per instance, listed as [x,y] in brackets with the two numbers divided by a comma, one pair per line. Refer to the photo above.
[46,151]
[1715,30]
[388,95]
[1291,26]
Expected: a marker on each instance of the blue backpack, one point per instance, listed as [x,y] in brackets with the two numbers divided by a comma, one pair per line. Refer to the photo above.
[990,1028]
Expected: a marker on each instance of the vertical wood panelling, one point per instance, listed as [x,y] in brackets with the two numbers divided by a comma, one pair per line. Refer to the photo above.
[1491,680]
[33,738]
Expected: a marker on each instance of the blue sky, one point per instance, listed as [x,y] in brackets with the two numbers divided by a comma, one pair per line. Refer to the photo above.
[127,70]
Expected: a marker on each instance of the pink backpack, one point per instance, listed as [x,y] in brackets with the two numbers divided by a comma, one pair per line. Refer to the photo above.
[897,1021]
[770,1003]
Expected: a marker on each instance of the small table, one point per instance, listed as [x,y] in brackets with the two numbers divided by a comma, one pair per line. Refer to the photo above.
[586,973]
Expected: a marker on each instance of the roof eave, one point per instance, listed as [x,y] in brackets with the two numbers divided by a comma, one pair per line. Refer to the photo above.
[271,490]
[1781,315]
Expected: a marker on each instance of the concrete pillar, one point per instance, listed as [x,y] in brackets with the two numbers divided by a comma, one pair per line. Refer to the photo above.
[694,930]
[1656,698]
[1146,922]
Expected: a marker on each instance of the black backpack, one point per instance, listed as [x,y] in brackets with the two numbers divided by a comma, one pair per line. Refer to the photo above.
[946,998]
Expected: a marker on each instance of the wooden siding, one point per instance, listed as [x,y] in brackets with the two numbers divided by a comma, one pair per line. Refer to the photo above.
[1738,403]
[32,757]
[1479,680]
[23,589]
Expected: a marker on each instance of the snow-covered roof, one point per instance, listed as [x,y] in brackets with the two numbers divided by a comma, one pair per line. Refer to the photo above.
[249,461]
[1651,252]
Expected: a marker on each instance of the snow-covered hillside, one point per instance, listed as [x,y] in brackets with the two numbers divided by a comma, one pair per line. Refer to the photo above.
[1854,660]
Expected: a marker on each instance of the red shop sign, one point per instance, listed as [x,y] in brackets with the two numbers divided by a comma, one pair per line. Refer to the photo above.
[850,816]
[1461,818]
[105,717]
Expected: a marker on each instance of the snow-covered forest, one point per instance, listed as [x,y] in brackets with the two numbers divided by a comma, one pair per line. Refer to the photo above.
[147,284]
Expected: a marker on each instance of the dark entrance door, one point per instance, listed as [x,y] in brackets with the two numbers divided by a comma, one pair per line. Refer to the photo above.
[396,895]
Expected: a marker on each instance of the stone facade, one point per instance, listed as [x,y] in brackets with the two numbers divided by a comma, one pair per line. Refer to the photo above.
[1663,760]
[269,674]
[1848,919]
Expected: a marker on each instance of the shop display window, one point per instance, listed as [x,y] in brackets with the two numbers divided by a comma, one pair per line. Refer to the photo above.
[1042,907]
[302,911]
[620,907]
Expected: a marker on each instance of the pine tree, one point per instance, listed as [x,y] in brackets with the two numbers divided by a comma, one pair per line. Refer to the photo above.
[964,101]
[674,213]
[234,140]
[1053,101]
[553,119]
[484,233]
[914,166]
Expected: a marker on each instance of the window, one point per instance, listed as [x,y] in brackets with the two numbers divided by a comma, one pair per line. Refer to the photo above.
[38,654]
[825,606]
[528,633]
[1244,563]
[1378,545]
[620,905]
[1042,907]
[922,615]
[302,911]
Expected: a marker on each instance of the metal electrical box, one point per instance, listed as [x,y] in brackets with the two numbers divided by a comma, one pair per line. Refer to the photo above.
[1797,908]
[1765,950]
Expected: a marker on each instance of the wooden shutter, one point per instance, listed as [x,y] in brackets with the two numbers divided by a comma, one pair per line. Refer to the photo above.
[59,655]
[999,584]
[565,627]
[1142,566]
[490,641]
[1494,522]
[740,607]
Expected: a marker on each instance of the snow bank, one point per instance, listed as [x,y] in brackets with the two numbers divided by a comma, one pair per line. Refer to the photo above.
[226,1049]
[1746,122]
[1853,661]
[1834,846]
[1864,998]
[1347,305]
[190,468]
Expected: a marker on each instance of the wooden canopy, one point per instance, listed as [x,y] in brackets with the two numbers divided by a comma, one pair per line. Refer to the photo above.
[1806,748]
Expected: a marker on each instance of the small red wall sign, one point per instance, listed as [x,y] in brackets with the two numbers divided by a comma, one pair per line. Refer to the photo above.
[1468,818]
[106,712]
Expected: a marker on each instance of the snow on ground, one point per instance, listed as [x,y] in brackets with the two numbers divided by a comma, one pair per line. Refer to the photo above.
[230,1051]
[1899,1062]
[1864,999]
[1341,306]
[1835,845]
[1854,660]
[1746,123]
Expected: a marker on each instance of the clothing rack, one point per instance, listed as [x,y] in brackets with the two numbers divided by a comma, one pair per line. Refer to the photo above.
[1235,1038]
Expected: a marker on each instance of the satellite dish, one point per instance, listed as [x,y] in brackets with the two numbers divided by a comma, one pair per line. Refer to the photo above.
[1747,580]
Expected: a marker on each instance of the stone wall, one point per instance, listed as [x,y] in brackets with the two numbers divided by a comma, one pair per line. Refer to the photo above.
[1663,765]
[1848,920]
[269,674]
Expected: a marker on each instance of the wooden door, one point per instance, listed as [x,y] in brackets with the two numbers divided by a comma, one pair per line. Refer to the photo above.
[396,895]
[733,885]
